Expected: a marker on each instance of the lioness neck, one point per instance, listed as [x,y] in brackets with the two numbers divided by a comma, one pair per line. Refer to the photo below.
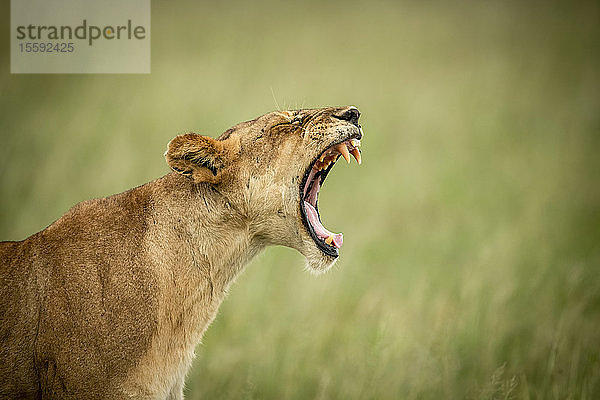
[197,244]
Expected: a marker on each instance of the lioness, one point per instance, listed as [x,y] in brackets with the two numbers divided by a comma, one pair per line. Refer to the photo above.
[110,300]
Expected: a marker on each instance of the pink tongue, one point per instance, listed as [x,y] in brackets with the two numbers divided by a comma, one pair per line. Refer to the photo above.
[320,230]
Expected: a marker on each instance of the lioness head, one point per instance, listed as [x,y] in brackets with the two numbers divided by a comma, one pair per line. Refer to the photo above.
[271,169]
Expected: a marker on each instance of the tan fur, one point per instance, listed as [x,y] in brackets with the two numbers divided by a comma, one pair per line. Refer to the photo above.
[110,300]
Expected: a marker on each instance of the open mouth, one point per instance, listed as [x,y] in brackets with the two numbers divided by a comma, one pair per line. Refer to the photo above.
[327,241]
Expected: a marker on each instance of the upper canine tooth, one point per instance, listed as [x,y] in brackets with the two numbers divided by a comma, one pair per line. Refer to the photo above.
[329,239]
[356,154]
[344,150]
[355,142]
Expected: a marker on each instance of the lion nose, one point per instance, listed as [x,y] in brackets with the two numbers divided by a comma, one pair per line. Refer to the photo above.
[350,114]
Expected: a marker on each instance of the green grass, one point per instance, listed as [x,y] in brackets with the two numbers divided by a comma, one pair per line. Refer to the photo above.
[471,261]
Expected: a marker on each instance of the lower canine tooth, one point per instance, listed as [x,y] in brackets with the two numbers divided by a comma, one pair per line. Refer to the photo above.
[329,240]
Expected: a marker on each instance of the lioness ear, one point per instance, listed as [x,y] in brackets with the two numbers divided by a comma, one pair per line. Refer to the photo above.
[200,157]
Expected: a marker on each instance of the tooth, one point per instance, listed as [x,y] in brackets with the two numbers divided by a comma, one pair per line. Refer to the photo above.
[356,154]
[329,240]
[355,142]
[322,158]
[344,150]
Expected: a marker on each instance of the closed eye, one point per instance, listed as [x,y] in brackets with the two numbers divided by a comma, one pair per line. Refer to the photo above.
[294,125]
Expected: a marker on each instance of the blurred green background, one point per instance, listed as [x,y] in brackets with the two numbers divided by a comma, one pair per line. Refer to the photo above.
[471,260]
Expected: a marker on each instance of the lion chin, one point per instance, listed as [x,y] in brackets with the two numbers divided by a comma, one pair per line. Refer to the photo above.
[318,264]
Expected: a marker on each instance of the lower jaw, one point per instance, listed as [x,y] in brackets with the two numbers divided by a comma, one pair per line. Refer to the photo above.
[323,247]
